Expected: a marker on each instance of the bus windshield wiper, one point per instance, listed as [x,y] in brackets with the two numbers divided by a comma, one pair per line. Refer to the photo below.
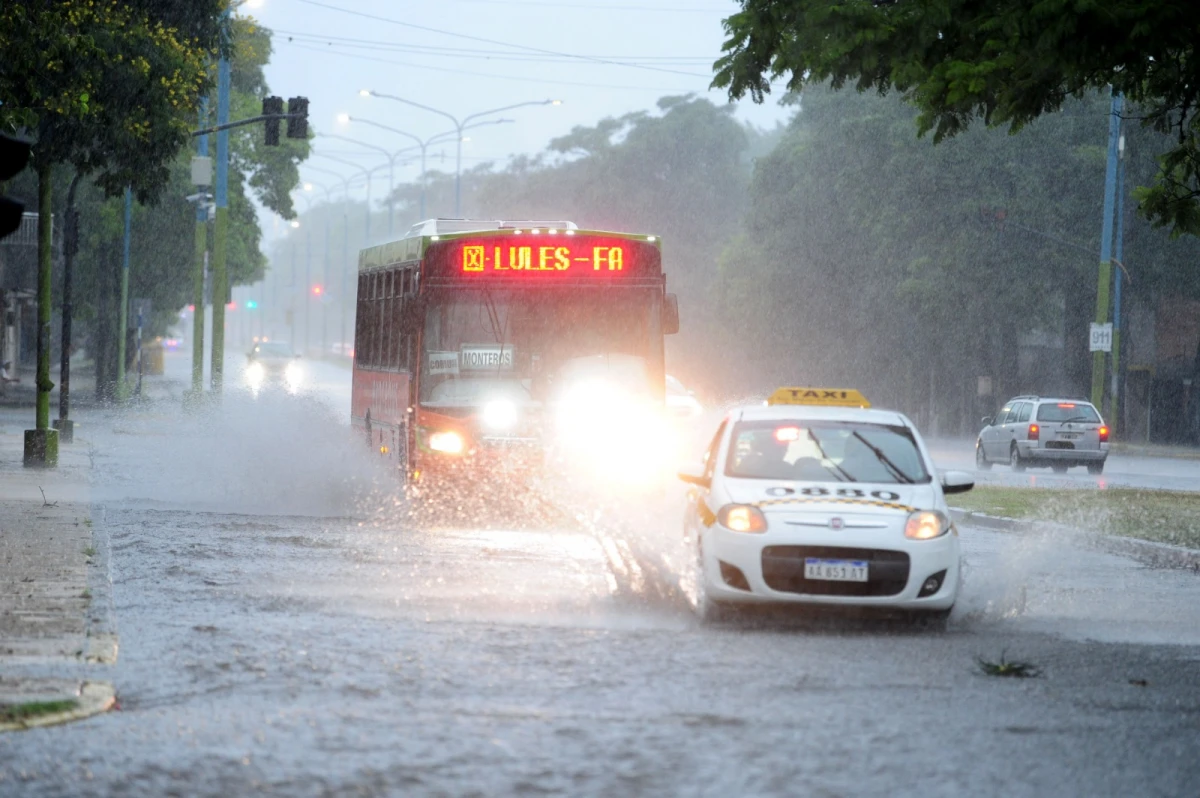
[897,472]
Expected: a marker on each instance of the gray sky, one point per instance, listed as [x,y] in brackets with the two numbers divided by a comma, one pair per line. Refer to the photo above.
[490,53]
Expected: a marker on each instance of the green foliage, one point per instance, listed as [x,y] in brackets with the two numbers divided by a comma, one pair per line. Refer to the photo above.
[1007,62]
[876,259]
[108,87]
[270,172]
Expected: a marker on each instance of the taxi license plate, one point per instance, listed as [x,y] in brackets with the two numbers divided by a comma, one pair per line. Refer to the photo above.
[835,570]
[1070,436]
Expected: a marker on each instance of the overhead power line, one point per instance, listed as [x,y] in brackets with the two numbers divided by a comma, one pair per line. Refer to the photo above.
[449,70]
[523,47]
[474,52]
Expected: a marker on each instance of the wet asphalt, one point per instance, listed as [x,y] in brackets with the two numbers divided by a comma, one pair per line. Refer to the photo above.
[286,628]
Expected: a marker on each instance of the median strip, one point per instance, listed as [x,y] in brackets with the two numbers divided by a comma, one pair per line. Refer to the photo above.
[1161,516]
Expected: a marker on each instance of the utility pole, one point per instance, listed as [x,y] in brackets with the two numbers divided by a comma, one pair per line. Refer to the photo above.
[1115,399]
[202,164]
[220,279]
[123,308]
[1104,279]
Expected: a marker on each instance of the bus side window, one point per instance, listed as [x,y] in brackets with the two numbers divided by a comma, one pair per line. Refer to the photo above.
[386,346]
[376,311]
[360,322]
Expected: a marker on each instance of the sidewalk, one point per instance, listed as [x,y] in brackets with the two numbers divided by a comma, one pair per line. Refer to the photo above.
[55,603]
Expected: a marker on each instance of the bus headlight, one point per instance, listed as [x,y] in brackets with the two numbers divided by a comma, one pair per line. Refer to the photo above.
[446,442]
[499,415]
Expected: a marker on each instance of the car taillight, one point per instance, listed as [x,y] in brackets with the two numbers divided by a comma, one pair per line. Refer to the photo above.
[1104,434]
[1033,432]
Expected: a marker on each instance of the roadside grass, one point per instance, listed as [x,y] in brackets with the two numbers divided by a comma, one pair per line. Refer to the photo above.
[17,713]
[1162,516]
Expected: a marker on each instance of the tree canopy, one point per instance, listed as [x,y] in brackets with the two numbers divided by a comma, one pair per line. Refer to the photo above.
[1007,62]
[108,87]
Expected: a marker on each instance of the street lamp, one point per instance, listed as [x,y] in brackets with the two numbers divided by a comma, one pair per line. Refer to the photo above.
[345,240]
[366,174]
[459,126]
[391,173]
[423,145]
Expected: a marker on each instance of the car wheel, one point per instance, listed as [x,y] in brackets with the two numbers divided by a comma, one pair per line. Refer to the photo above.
[981,461]
[1059,468]
[1096,468]
[1014,459]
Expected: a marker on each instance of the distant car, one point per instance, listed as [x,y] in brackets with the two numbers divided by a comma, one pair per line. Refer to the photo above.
[1038,431]
[172,344]
[681,402]
[816,499]
[273,362]
[343,349]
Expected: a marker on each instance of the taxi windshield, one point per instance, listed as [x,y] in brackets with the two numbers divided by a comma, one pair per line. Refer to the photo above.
[825,451]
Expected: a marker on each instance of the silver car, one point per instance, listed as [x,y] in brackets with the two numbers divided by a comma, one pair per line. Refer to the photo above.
[1033,431]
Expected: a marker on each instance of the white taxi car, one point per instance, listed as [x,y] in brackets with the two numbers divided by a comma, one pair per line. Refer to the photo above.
[814,498]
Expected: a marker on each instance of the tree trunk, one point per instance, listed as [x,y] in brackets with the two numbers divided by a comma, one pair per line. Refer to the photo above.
[45,264]
[70,247]
[105,350]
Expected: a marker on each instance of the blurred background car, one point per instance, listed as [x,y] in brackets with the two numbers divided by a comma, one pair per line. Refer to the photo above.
[681,402]
[273,362]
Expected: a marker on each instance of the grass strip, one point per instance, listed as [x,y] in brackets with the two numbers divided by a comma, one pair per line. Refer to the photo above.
[14,713]
[1162,516]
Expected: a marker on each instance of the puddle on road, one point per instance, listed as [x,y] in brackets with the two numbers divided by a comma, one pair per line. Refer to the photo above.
[1052,581]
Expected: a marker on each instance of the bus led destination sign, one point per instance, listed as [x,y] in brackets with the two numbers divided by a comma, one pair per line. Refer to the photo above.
[527,257]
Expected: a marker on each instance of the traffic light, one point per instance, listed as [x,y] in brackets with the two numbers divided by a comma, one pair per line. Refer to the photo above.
[14,155]
[251,304]
[297,127]
[317,290]
[272,106]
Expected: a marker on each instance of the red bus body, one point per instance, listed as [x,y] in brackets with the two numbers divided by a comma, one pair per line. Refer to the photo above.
[434,315]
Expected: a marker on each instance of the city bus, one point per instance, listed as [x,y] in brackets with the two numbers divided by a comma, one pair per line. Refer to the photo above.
[482,346]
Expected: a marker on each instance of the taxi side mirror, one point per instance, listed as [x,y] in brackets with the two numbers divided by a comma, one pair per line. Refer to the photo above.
[986,421]
[957,482]
[670,314]
[693,474]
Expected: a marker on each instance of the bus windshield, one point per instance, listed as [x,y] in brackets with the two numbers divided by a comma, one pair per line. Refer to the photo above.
[484,344]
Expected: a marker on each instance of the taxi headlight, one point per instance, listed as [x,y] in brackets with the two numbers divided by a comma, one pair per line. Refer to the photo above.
[742,518]
[446,442]
[293,373]
[926,525]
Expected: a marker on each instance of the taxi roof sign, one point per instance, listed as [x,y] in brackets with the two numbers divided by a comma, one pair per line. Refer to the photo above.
[828,397]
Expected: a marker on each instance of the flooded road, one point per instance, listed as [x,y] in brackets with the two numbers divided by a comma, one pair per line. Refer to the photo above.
[287,629]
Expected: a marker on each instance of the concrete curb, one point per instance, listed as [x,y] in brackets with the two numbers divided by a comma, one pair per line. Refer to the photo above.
[1158,555]
[1134,450]
[101,622]
[93,699]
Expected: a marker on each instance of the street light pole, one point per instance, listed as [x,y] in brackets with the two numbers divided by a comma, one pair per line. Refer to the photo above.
[391,173]
[367,175]
[422,144]
[345,243]
[459,126]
